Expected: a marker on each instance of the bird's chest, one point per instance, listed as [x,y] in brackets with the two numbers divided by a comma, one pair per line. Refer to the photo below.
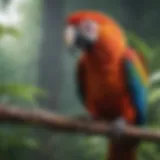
[105,88]
[104,81]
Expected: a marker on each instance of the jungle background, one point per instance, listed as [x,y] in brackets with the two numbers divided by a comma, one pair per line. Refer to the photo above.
[33,57]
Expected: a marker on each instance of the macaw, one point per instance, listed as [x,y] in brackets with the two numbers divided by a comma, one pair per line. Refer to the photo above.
[111,77]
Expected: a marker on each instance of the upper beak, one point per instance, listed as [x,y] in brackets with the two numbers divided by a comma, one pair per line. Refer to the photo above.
[70,36]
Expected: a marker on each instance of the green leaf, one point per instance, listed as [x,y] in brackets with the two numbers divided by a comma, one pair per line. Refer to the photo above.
[9,30]
[30,143]
[154,95]
[26,92]
[140,45]
[13,31]
[2,30]
[154,78]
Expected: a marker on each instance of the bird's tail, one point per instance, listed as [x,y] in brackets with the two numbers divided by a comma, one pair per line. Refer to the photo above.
[122,151]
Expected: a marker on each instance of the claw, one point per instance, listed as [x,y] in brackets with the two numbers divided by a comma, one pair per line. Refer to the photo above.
[118,129]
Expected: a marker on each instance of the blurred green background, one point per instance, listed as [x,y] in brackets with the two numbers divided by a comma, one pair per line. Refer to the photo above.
[33,56]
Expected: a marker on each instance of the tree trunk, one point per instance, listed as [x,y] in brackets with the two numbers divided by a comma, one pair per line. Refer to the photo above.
[50,66]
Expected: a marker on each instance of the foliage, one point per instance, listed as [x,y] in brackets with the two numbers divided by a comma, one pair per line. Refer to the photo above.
[8,30]
[14,90]
[21,91]
[140,45]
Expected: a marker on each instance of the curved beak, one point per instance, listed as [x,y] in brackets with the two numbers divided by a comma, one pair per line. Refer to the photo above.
[70,36]
[75,39]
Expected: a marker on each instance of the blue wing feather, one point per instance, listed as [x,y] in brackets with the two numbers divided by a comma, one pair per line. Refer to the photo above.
[137,90]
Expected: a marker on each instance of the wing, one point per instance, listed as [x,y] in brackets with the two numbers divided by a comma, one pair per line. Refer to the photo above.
[137,81]
[142,59]
[144,63]
[80,80]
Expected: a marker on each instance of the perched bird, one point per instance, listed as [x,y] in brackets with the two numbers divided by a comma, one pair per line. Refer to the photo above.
[111,77]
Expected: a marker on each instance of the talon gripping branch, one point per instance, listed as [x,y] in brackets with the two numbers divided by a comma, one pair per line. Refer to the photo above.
[111,77]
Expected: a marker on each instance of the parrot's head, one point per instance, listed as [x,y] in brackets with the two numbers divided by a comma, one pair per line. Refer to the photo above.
[88,29]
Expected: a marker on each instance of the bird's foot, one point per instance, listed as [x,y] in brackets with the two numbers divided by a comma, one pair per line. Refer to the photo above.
[118,129]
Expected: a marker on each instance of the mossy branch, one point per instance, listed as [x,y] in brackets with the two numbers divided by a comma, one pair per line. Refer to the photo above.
[62,123]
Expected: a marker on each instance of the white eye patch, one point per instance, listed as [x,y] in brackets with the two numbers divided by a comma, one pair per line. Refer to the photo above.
[70,35]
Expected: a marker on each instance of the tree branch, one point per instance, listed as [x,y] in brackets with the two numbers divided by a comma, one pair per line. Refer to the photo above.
[61,123]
